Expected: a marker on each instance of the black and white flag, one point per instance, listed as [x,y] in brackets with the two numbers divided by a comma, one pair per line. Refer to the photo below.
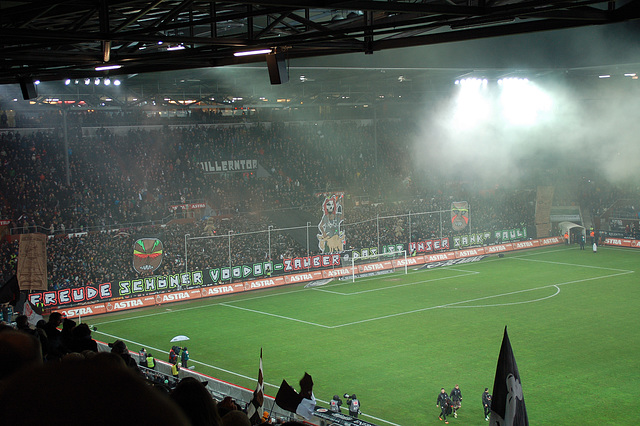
[254,409]
[507,404]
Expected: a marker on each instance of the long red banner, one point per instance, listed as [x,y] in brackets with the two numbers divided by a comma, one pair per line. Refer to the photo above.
[300,277]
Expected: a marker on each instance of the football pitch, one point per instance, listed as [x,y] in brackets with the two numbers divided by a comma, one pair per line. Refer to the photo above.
[396,339]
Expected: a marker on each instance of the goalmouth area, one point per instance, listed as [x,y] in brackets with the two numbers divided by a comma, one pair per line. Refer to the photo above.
[396,339]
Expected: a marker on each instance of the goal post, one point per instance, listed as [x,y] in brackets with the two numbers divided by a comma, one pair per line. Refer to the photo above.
[378,264]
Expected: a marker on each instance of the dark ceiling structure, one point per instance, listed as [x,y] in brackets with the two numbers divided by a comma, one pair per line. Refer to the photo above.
[66,39]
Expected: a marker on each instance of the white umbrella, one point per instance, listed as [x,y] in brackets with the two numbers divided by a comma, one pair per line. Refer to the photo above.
[179,338]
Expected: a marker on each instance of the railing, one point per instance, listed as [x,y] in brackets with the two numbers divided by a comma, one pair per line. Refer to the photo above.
[82,229]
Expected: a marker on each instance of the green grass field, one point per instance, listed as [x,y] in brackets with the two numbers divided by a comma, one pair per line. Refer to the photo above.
[396,339]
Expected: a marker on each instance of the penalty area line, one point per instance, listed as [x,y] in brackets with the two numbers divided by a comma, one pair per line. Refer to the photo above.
[392,286]
[452,304]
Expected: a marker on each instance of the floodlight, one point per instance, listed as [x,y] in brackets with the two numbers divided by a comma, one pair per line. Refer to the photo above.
[108,67]
[253,52]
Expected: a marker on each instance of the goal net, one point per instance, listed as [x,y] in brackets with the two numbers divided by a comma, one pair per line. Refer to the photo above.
[378,264]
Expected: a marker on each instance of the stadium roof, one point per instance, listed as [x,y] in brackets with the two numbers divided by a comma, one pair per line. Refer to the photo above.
[363,45]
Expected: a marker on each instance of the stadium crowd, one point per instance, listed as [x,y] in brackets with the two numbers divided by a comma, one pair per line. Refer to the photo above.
[36,362]
[95,195]
[98,194]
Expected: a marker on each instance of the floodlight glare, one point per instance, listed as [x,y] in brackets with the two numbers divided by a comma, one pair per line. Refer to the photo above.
[87,81]
[107,81]
[108,67]
[116,82]
[253,52]
[523,103]
[67,82]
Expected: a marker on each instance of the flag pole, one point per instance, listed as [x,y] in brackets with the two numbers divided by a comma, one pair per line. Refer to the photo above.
[271,409]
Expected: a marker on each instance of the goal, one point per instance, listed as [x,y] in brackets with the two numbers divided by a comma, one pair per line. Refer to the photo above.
[377,264]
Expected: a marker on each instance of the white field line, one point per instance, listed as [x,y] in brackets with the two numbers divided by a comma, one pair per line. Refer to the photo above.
[452,304]
[391,286]
[512,303]
[233,373]
[192,361]
[449,305]
[569,264]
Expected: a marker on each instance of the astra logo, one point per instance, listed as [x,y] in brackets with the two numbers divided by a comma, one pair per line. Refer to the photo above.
[79,311]
[127,304]
[303,277]
[374,267]
[524,244]
[438,257]
[220,289]
[262,283]
[174,297]
[338,272]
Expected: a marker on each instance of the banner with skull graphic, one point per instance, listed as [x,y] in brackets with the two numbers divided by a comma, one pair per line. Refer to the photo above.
[459,215]
[147,255]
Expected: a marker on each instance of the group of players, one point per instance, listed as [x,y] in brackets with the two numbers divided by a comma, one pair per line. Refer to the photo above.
[449,404]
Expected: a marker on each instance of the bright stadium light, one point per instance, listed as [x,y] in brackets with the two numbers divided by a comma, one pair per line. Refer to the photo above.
[472,105]
[252,52]
[108,67]
[522,101]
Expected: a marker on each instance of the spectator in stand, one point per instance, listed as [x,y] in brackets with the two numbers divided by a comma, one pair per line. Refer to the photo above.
[196,402]
[81,339]
[93,388]
[235,418]
[226,405]
[18,351]
[68,325]
[120,348]
[56,349]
